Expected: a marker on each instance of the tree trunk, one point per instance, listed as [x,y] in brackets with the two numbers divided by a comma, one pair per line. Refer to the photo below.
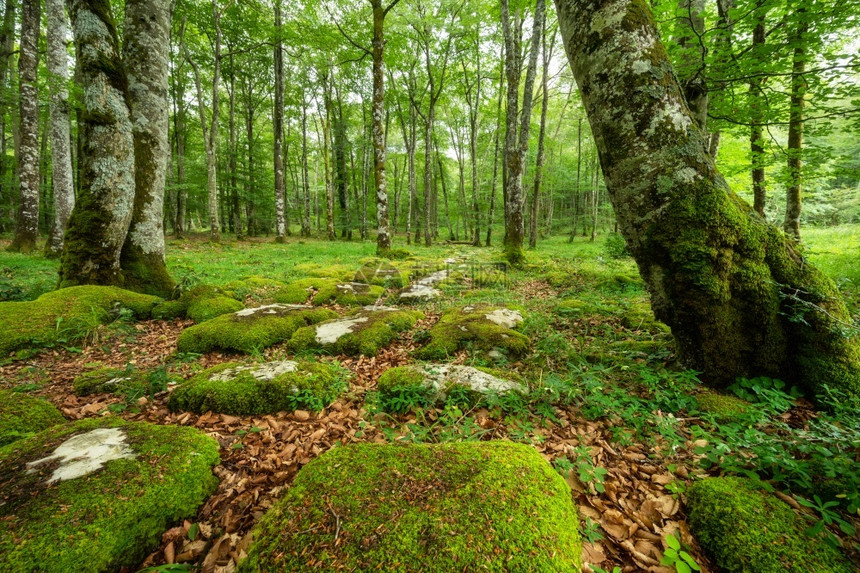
[329,189]
[340,176]
[306,211]
[27,229]
[577,191]
[496,138]
[233,157]
[60,118]
[535,207]
[756,106]
[146,56]
[99,222]
[7,46]
[793,195]
[740,300]
[278,128]
[383,235]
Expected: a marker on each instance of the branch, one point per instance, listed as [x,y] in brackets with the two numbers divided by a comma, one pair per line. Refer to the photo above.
[349,39]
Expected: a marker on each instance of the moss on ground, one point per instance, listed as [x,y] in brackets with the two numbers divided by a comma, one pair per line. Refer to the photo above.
[21,416]
[488,506]
[200,303]
[319,291]
[66,315]
[127,381]
[250,330]
[233,389]
[723,407]
[111,518]
[258,289]
[469,325]
[382,273]
[365,332]
[746,530]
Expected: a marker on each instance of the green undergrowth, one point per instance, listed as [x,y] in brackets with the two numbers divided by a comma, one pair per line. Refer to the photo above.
[491,506]
[312,386]
[107,520]
[21,416]
[368,331]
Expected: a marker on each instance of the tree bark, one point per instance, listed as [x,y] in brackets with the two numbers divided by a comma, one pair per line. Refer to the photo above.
[740,300]
[756,106]
[794,192]
[147,60]
[326,137]
[496,140]
[577,191]
[535,206]
[99,222]
[27,228]
[306,194]
[278,127]
[60,118]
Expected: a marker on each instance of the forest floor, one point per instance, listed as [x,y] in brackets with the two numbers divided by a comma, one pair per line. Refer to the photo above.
[619,421]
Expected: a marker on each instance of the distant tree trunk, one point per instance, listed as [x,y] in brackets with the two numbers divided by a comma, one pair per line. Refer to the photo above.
[535,206]
[329,189]
[496,138]
[7,46]
[60,118]
[180,135]
[340,176]
[731,287]
[793,195]
[278,127]
[306,211]
[27,229]
[99,222]
[577,190]
[757,158]
[233,156]
[146,56]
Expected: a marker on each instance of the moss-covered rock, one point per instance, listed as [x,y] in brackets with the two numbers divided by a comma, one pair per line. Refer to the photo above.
[251,329]
[127,381]
[97,495]
[421,385]
[22,416]
[365,331]
[482,327]
[319,291]
[489,506]
[723,407]
[200,303]
[746,530]
[258,289]
[266,388]
[382,273]
[66,314]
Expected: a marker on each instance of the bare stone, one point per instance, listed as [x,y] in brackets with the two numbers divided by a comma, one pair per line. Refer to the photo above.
[271,309]
[505,317]
[331,332]
[264,372]
[440,376]
[86,453]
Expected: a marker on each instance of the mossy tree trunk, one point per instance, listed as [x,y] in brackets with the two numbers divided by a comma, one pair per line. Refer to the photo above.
[99,222]
[60,118]
[27,229]
[740,299]
[146,57]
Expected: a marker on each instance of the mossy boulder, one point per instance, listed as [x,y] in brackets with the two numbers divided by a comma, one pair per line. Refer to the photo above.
[265,388]
[382,273]
[746,530]
[365,332]
[338,272]
[127,381]
[487,506]
[22,416]
[420,385]
[483,327]
[66,314]
[97,495]
[200,303]
[319,291]
[251,329]
[258,289]
[723,407]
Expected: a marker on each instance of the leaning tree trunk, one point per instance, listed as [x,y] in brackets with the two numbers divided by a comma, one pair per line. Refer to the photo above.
[60,117]
[101,217]
[146,56]
[740,299]
[27,229]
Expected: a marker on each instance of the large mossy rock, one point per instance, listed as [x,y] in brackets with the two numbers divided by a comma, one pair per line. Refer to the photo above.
[482,327]
[366,331]
[265,388]
[126,381]
[97,495]
[250,330]
[382,273]
[319,291]
[487,506]
[426,384]
[200,303]
[21,416]
[746,530]
[66,314]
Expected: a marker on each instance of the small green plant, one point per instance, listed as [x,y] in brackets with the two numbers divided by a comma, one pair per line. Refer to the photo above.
[676,488]
[590,531]
[676,555]
[588,473]
[827,510]
[615,246]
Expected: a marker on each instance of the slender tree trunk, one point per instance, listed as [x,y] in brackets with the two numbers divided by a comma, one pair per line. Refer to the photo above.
[60,117]
[180,135]
[340,177]
[329,189]
[757,150]
[27,229]
[496,140]
[306,211]
[7,46]
[535,207]
[146,57]
[99,222]
[383,235]
[236,213]
[794,193]
[577,190]
[730,286]
[278,127]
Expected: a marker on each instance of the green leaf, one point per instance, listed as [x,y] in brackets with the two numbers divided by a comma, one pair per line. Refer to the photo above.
[690,561]
[673,542]
[682,567]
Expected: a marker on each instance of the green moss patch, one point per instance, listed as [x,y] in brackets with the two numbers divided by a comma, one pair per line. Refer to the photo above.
[366,331]
[481,327]
[723,407]
[109,518]
[490,506]
[319,291]
[257,289]
[21,416]
[250,330]
[67,314]
[404,387]
[746,530]
[126,381]
[200,303]
[266,388]
[381,273]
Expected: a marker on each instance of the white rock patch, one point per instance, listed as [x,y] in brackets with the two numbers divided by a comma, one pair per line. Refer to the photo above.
[505,317]
[268,371]
[85,453]
[440,376]
[331,332]
[420,292]
[270,309]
